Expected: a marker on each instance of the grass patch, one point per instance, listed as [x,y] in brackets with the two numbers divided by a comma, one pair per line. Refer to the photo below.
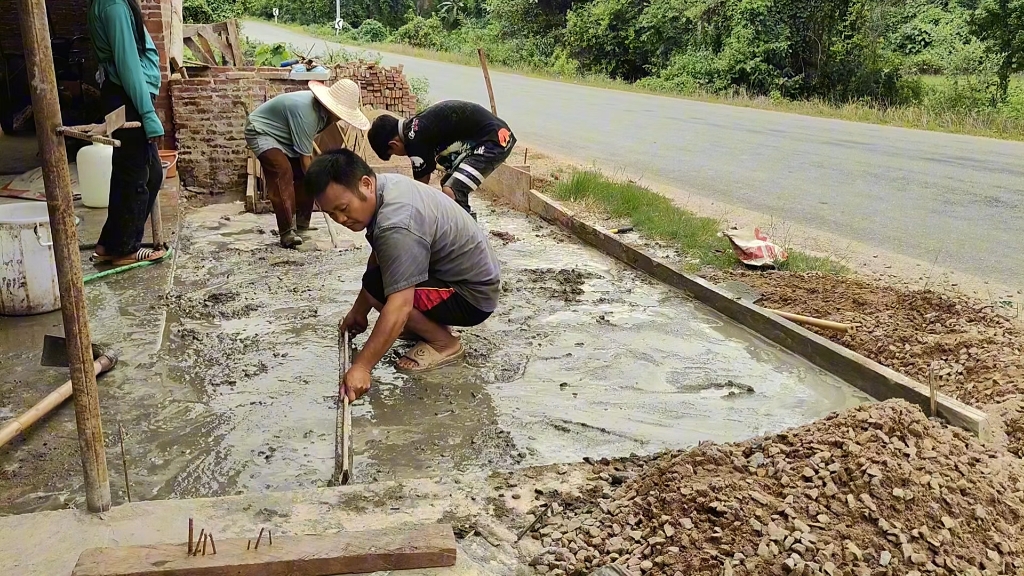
[988,123]
[659,218]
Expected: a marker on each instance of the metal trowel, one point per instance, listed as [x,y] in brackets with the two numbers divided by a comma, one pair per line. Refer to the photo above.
[55,352]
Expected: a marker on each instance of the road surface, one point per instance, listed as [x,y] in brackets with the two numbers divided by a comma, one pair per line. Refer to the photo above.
[954,200]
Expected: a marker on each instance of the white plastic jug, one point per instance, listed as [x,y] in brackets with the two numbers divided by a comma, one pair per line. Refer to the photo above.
[94,174]
[28,273]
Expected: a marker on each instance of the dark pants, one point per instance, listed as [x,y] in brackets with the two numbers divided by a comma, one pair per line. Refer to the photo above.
[284,177]
[135,179]
[436,299]
[469,171]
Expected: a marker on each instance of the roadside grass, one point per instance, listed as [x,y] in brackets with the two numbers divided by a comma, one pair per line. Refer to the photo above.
[991,124]
[655,216]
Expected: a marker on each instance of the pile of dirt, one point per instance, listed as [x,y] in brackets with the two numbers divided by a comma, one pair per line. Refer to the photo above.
[879,489]
[973,352]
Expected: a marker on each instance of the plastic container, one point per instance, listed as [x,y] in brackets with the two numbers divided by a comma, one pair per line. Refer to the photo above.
[170,156]
[28,278]
[94,174]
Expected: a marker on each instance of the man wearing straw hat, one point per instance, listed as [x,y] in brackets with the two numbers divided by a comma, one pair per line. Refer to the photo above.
[280,133]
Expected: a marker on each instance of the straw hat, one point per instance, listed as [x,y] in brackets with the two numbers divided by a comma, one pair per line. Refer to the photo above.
[342,99]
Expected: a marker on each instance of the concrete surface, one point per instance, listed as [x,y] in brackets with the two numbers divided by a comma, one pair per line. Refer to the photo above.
[227,386]
[50,542]
[954,200]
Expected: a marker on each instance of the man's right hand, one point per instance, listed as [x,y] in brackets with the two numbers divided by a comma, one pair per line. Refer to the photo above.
[354,322]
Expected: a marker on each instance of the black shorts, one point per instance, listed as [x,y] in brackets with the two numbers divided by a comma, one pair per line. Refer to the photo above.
[436,299]
[469,172]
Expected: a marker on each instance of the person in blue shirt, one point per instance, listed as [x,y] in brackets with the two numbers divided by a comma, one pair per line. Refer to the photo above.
[129,75]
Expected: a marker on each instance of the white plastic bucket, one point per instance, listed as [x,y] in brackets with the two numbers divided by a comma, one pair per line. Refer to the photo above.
[28,278]
[94,174]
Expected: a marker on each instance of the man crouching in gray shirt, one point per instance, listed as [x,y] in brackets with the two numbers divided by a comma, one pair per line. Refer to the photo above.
[430,266]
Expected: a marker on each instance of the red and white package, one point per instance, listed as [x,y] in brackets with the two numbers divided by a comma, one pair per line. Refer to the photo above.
[753,248]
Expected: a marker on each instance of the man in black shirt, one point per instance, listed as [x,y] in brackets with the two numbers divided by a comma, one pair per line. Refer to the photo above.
[462,137]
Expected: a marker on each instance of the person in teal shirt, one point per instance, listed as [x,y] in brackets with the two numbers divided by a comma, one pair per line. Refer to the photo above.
[129,76]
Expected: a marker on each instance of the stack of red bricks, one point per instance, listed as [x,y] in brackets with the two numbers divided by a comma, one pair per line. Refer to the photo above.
[382,87]
[210,111]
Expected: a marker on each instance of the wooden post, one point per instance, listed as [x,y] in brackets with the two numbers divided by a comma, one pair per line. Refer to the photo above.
[487,79]
[42,82]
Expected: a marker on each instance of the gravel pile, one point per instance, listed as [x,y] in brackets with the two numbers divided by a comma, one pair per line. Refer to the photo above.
[875,490]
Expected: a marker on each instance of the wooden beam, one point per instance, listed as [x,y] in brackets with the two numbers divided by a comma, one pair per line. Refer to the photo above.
[427,546]
[206,35]
[487,79]
[42,83]
[197,51]
[236,46]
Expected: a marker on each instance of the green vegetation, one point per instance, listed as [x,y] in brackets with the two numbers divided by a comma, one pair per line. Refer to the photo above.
[935,64]
[655,216]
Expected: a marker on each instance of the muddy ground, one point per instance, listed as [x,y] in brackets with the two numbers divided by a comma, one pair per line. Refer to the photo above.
[229,370]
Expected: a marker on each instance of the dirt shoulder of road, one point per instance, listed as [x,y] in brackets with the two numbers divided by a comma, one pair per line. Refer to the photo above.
[917,318]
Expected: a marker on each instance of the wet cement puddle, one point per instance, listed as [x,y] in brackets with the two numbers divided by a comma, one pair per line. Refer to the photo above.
[228,386]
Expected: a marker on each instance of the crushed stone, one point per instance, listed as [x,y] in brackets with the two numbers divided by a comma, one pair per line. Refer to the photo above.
[878,489]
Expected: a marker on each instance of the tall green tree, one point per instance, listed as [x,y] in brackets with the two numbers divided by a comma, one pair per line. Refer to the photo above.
[1000,23]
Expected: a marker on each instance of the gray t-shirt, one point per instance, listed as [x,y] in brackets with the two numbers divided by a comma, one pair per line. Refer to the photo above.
[419,233]
[292,120]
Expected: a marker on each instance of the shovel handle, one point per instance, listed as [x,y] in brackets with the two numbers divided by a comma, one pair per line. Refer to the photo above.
[54,399]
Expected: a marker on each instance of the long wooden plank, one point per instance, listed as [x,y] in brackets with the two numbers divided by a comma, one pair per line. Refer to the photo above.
[236,46]
[197,51]
[427,546]
[867,375]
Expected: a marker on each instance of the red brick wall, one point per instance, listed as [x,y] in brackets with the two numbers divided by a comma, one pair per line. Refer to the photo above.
[210,113]
[157,15]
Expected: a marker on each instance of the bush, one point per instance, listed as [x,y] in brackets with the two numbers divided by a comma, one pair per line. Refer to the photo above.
[422,33]
[371,31]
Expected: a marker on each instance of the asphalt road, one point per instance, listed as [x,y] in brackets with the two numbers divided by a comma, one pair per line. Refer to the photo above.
[954,200]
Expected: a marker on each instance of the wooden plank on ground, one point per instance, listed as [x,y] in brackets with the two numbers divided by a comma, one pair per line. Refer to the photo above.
[427,546]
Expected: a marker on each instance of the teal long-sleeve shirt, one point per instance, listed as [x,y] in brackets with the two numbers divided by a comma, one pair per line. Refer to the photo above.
[112,29]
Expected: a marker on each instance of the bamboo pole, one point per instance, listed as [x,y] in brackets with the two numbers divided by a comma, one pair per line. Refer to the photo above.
[42,82]
[816,322]
[44,406]
[487,79]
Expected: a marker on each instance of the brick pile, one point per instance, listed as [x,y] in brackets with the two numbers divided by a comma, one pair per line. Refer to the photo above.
[210,111]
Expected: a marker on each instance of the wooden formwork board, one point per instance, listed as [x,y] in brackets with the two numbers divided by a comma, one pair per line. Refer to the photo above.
[427,546]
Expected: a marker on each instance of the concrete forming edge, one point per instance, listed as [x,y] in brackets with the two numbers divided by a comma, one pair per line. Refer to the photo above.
[867,375]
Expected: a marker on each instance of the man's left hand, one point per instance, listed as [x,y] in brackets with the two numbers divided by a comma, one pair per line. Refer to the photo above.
[356,382]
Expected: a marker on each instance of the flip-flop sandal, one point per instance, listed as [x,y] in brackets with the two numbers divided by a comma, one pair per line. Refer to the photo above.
[143,255]
[100,258]
[427,358]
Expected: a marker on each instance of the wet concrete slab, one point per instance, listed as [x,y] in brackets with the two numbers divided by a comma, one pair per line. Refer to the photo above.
[227,385]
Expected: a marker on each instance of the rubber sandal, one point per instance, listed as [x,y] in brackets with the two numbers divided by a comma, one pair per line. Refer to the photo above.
[427,358]
[143,255]
[100,258]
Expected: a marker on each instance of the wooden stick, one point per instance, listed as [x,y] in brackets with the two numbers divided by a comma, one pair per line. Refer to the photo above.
[189,536]
[343,429]
[817,322]
[44,406]
[487,79]
[214,544]
[931,392]
[156,224]
[526,154]
[258,538]
[124,464]
[42,84]
[270,534]
[534,523]
[205,538]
